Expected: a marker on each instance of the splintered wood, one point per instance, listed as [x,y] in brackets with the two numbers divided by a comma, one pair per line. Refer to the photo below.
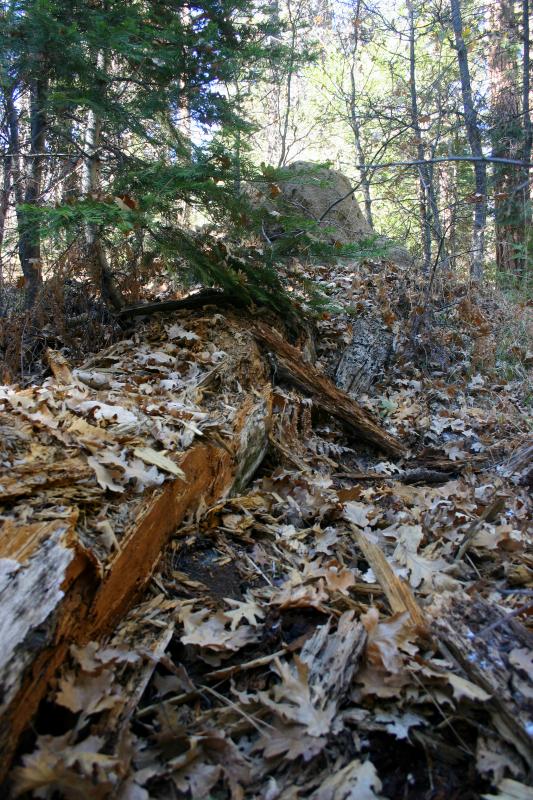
[89,487]
[292,367]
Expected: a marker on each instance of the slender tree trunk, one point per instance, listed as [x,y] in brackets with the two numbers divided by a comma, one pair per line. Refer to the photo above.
[507,140]
[355,126]
[429,209]
[423,182]
[474,140]
[5,194]
[28,230]
[354,121]
[90,184]
[284,127]
[528,131]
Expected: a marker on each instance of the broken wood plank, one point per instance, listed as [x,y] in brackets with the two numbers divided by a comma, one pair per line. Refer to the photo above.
[27,479]
[325,395]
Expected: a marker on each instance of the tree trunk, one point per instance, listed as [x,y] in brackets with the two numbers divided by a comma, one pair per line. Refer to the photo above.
[90,184]
[284,122]
[474,139]
[423,178]
[528,130]
[507,140]
[356,130]
[28,229]
[5,193]
[355,124]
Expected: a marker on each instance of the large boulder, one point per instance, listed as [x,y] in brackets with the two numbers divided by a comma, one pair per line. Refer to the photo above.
[311,193]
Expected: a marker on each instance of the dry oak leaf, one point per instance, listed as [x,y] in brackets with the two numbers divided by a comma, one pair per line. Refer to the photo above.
[176,331]
[110,413]
[207,629]
[338,578]
[290,595]
[464,688]
[388,641]
[104,476]
[210,757]
[248,610]
[87,692]
[92,657]
[291,742]
[421,570]
[78,772]
[151,456]
[357,513]
[357,781]
[511,790]
[292,701]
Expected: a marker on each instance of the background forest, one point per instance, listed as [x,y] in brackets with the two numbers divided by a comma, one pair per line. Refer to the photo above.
[130,134]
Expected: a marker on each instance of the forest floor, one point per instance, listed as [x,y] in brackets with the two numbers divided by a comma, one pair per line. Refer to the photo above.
[349,625]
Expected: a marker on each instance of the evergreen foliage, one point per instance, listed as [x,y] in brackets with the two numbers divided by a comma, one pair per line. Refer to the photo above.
[153,76]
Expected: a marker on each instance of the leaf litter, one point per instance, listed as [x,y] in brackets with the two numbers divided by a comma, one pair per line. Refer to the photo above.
[347,627]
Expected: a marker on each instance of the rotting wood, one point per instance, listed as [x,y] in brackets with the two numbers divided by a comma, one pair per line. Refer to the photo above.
[27,479]
[59,591]
[410,477]
[365,357]
[292,367]
[488,654]
[90,607]
[519,466]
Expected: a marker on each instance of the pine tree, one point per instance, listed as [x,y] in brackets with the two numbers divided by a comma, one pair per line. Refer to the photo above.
[105,87]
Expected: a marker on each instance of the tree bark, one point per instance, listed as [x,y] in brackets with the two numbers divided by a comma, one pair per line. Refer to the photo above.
[28,230]
[290,366]
[90,184]
[507,140]
[355,123]
[423,177]
[5,193]
[284,123]
[528,130]
[429,210]
[474,139]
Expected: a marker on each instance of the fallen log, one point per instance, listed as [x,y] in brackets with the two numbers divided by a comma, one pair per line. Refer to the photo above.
[292,367]
[74,558]
[101,465]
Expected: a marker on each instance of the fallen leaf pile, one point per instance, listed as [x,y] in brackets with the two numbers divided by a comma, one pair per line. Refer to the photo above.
[346,627]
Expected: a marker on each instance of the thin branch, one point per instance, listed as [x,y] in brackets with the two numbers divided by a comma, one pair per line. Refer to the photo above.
[420,162]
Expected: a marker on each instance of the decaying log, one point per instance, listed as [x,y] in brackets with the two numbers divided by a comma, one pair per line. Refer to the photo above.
[365,357]
[58,585]
[55,590]
[49,585]
[199,300]
[493,652]
[292,367]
